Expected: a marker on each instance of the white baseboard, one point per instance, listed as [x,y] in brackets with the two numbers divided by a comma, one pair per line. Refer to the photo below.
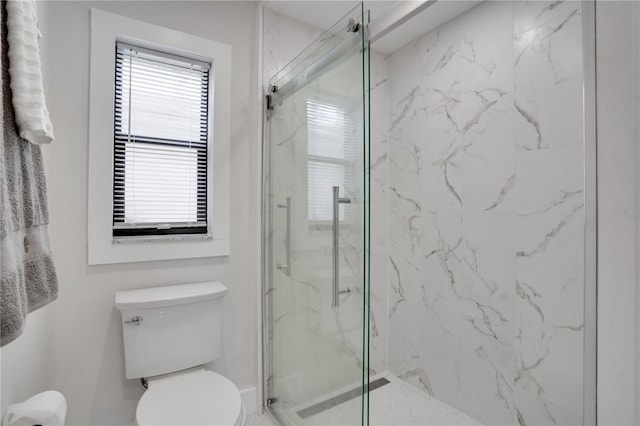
[250,399]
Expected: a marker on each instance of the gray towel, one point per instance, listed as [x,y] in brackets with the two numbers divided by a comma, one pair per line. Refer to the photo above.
[27,273]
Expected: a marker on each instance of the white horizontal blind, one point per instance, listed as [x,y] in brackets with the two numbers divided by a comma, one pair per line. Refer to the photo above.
[161,143]
[331,134]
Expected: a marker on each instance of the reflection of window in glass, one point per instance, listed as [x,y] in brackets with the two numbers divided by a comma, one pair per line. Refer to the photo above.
[161,142]
[331,135]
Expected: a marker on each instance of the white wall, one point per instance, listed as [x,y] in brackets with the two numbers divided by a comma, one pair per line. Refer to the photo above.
[25,362]
[87,357]
[618,214]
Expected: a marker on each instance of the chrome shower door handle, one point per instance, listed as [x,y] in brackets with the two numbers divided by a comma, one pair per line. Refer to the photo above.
[335,298]
[287,242]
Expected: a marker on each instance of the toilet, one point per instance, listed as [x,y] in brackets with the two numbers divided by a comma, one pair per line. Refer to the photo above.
[169,334]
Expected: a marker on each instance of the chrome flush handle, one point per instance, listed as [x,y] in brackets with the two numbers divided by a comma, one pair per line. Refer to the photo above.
[137,320]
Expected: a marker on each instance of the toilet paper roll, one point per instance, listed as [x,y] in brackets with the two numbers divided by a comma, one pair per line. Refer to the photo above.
[47,409]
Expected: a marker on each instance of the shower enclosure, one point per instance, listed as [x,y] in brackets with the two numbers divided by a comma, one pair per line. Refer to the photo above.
[315,200]
[429,215]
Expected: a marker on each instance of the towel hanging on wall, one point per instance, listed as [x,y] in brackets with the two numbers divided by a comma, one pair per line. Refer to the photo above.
[27,273]
[28,99]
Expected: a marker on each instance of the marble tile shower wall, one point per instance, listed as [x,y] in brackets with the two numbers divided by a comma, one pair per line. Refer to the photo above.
[379,213]
[486,213]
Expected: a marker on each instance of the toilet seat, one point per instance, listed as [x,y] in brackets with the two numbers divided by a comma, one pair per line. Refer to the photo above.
[199,397]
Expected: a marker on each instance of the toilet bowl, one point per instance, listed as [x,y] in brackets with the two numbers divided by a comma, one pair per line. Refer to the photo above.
[197,397]
[169,333]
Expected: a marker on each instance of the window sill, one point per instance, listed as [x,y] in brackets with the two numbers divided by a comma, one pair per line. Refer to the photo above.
[160,238]
[166,249]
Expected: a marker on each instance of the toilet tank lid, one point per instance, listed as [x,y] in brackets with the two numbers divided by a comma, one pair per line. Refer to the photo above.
[156,297]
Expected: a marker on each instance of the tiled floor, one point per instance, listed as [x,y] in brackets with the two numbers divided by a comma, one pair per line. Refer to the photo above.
[396,403]
[258,419]
[399,403]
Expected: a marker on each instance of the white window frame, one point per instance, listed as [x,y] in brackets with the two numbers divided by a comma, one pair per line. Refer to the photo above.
[106,29]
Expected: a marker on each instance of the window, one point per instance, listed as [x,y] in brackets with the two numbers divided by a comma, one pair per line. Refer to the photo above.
[152,109]
[161,111]
[331,134]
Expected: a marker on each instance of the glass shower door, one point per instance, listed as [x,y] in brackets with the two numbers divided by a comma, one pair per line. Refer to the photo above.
[315,200]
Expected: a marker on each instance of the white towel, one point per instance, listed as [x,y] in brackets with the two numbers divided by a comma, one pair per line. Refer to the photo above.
[29,104]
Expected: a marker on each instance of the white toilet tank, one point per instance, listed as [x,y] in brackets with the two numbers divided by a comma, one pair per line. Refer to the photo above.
[168,329]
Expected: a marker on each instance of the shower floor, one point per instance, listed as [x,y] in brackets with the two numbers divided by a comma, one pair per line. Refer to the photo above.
[395,403]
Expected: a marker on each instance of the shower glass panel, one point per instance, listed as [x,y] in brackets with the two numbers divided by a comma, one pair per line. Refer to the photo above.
[314,203]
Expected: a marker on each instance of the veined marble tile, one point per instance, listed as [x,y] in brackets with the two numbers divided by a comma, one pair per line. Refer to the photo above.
[489,160]
[451,158]
[379,213]
[270,21]
[485,187]
[549,285]
[548,65]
